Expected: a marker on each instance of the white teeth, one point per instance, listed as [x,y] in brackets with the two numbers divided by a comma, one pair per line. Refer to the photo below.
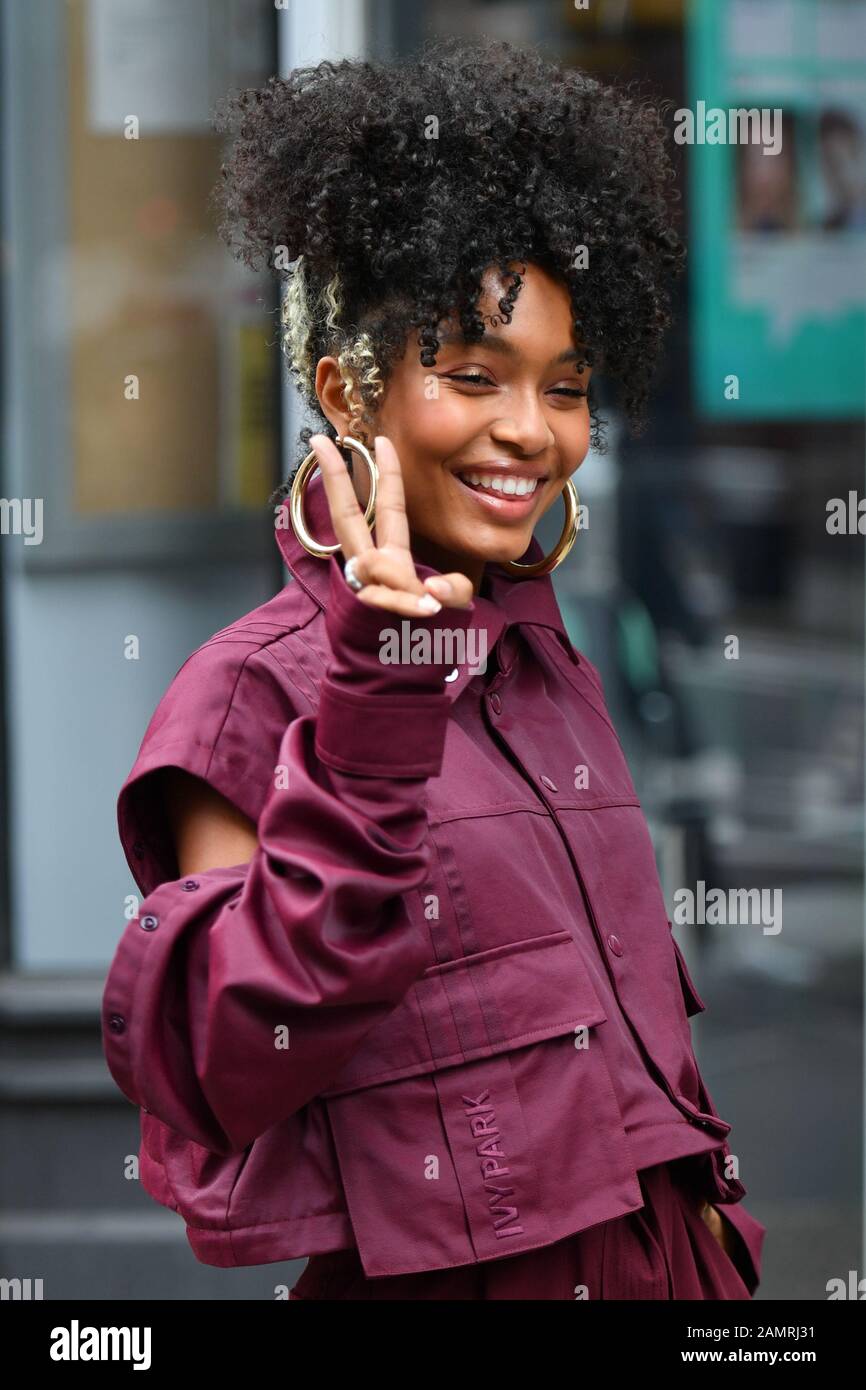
[511,486]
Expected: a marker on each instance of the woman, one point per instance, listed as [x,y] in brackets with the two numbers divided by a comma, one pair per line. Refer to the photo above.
[402,995]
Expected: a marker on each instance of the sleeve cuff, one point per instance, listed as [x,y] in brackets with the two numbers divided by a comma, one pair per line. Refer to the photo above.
[383,708]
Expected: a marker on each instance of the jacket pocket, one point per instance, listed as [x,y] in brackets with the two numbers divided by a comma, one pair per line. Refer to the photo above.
[694,1004]
[480,1120]
[476,1006]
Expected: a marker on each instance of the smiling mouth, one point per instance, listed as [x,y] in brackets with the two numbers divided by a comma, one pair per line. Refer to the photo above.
[500,485]
[502,496]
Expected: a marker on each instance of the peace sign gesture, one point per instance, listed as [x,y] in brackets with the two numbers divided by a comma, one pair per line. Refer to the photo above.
[384,566]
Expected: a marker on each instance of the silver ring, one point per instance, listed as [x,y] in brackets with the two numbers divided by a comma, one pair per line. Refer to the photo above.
[350,576]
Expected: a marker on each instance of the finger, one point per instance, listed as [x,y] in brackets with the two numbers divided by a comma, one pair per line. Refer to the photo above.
[392,524]
[398,600]
[392,568]
[455,590]
[350,528]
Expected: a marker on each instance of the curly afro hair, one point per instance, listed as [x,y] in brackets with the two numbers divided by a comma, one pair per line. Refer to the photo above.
[382,190]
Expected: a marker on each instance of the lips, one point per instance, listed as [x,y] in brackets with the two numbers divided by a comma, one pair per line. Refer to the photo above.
[508,484]
[507,494]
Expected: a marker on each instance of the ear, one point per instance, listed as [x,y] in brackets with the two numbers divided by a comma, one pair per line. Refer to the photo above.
[330,390]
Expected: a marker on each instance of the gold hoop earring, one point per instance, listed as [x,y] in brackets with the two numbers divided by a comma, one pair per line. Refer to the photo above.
[563,545]
[302,477]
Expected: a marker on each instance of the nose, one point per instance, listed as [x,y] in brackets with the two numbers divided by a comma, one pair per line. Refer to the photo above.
[527,428]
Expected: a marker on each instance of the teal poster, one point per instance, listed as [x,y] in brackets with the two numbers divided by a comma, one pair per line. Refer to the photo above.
[776,129]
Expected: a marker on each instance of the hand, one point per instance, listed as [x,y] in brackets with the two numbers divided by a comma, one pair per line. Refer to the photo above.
[385,567]
[719,1227]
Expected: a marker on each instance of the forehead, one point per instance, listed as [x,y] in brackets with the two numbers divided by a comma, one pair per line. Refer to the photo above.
[542,308]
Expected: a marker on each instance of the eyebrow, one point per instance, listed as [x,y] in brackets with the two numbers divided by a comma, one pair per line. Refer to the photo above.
[505,346]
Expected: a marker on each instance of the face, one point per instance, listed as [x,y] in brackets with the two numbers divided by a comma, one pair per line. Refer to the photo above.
[488,437]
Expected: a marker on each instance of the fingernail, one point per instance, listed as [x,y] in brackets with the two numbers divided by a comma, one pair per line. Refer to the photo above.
[429,604]
[440,586]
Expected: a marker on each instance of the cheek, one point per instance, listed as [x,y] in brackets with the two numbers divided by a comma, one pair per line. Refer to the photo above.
[428,431]
[573,440]
[442,424]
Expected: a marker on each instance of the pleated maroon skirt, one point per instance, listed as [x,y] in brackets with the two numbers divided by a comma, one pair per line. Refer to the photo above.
[664,1250]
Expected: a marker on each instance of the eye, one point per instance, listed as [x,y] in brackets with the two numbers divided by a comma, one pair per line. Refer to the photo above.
[475,378]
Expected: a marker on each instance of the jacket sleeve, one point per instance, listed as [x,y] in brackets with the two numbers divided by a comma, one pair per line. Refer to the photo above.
[236,995]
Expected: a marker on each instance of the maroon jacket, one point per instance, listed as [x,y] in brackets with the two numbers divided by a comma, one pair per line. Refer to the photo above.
[440,1015]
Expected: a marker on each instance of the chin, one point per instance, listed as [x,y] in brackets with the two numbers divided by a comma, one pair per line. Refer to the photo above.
[507,550]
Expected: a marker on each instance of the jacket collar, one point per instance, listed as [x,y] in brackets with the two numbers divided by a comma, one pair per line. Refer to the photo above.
[504,606]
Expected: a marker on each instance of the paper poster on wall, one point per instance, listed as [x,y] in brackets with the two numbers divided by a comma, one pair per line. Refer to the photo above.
[777,239]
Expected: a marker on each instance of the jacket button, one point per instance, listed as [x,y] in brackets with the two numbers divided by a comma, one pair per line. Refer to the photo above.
[495,703]
[454,674]
[615,945]
[189,886]
[693,1111]
[149,923]
[551,786]
[117,1023]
